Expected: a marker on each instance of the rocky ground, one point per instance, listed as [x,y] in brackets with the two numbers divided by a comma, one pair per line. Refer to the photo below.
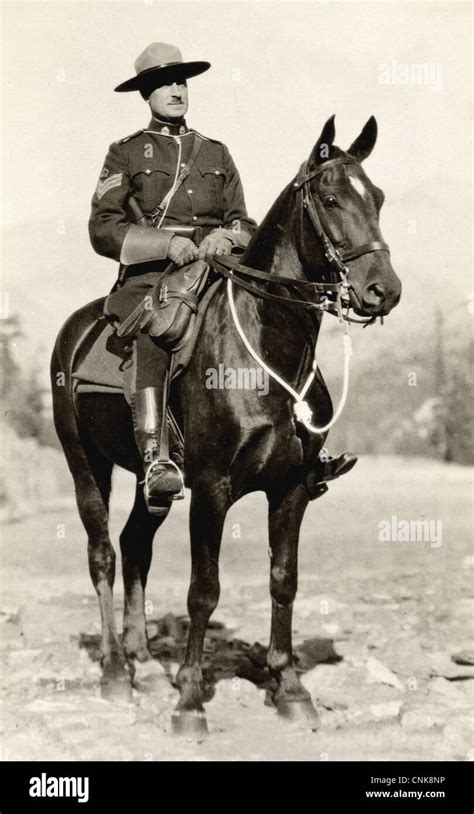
[382,631]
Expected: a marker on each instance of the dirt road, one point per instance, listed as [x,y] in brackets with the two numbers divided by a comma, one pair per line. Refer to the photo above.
[376,627]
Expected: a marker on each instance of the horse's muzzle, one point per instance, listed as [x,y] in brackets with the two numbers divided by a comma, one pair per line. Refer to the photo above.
[377,298]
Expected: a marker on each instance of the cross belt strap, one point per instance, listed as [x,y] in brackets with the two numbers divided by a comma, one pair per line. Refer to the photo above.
[154,216]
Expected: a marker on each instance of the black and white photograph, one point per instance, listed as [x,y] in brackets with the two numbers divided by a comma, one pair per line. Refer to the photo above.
[236,424]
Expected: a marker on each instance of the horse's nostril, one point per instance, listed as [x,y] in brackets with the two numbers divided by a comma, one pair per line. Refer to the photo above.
[373,297]
[378,290]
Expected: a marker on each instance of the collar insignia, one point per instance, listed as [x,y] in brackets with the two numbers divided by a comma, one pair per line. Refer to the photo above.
[164,128]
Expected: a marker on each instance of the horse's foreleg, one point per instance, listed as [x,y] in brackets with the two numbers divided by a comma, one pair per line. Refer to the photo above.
[285,516]
[136,542]
[206,522]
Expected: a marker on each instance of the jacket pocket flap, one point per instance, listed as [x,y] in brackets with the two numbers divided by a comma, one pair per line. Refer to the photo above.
[148,173]
[211,169]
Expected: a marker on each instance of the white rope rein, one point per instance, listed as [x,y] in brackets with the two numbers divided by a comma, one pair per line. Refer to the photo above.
[301,408]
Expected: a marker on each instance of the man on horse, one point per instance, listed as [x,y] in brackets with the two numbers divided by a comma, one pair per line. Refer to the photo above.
[187,187]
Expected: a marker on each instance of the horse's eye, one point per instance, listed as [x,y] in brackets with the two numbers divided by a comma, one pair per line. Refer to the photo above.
[330,201]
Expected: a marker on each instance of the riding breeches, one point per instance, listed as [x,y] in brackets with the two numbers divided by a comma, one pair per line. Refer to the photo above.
[152,360]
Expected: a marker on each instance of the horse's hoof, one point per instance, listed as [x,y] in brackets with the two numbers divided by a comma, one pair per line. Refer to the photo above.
[192,724]
[300,712]
[113,689]
[149,676]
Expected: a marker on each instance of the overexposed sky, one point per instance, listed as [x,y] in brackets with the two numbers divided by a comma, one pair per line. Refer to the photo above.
[279,70]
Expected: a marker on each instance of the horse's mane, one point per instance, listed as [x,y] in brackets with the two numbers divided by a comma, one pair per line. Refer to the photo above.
[260,249]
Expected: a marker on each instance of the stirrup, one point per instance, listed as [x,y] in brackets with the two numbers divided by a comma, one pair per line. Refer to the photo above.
[151,499]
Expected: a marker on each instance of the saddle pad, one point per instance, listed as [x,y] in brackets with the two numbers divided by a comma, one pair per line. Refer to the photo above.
[103,357]
[105,362]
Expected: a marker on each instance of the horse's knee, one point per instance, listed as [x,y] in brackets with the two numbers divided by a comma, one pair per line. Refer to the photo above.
[101,559]
[94,515]
[203,597]
[283,586]
[202,605]
[128,550]
[136,546]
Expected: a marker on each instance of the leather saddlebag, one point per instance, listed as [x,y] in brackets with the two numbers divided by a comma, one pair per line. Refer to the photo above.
[175,303]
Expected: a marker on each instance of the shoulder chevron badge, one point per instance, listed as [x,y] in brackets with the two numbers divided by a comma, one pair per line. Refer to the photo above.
[109,183]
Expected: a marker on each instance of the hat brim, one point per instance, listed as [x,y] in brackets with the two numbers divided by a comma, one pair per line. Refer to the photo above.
[162,72]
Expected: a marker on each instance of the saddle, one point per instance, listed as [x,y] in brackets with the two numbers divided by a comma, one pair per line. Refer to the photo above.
[103,360]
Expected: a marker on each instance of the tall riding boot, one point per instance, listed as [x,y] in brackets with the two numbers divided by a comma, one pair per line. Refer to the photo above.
[332,468]
[327,469]
[163,479]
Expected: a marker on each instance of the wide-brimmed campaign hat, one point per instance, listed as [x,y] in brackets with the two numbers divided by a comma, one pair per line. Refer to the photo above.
[161,62]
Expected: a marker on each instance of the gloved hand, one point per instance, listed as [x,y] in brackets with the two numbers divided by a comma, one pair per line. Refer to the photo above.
[214,243]
[182,250]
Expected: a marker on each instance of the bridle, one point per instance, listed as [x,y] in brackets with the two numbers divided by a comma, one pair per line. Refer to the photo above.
[238,274]
[333,297]
[333,255]
[336,259]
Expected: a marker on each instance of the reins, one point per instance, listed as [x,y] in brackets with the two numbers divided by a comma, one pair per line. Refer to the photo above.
[301,408]
[339,305]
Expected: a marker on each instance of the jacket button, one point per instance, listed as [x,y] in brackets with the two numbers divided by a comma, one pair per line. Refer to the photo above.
[148,172]
[216,172]
[190,192]
[194,218]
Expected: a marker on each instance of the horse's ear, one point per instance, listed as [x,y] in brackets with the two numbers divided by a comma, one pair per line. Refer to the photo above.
[322,149]
[364,143]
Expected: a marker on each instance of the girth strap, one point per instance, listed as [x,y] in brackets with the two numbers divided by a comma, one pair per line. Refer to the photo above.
[164,453]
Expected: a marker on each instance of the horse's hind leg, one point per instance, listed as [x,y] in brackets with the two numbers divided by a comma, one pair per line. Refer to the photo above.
[92,481]
[207,517]
[136,543]
[285,515]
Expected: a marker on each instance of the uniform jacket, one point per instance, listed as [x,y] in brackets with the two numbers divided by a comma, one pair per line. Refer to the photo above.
[146,165]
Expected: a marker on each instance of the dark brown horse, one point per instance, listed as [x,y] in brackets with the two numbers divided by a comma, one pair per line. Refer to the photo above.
[235,441]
